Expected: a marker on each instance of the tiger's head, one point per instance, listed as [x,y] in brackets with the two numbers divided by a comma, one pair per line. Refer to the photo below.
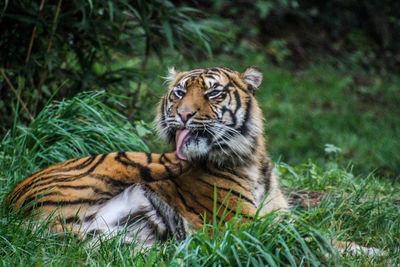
[211,115]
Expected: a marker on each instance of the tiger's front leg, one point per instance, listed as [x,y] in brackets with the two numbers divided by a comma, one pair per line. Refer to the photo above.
[150,167]
[73,190]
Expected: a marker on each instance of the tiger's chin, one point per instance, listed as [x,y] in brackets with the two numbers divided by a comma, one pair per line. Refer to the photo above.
[194,148]
[198,149]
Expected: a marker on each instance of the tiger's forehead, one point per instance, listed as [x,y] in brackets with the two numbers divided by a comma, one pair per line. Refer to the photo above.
[205,78]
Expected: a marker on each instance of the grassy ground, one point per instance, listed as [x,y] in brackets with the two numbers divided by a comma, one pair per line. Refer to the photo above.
[305,111]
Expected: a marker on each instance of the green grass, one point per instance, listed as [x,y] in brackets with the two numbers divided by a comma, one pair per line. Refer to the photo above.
[355,207]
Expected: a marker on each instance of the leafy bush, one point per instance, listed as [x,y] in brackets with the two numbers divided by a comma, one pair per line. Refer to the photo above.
[65,47]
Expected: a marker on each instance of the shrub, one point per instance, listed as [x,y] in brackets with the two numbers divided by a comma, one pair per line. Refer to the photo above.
[65,47]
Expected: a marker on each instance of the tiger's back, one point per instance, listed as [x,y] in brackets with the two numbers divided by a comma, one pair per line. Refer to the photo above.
[212,119]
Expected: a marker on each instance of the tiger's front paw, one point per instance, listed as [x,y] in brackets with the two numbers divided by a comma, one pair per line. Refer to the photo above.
[177,165]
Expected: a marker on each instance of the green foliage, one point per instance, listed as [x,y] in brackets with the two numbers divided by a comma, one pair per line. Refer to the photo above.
[73,46]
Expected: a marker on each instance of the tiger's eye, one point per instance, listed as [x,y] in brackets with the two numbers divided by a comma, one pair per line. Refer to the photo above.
[214,94]
[179,93]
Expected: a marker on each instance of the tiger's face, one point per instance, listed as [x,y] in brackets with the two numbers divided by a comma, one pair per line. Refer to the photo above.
[211,115]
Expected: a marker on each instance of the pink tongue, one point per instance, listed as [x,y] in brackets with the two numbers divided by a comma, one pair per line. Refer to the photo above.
[179,137]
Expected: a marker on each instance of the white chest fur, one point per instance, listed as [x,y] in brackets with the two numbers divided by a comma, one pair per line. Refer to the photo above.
[266,191]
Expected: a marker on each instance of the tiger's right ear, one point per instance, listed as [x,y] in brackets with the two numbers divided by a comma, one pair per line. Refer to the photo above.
[252,76]
[172,74]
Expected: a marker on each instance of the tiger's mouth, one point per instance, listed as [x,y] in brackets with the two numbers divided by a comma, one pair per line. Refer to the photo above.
[220,145]
[180,137]
[192,144]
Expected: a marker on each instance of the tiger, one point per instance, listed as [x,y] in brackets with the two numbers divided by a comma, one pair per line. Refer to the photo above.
[214,125]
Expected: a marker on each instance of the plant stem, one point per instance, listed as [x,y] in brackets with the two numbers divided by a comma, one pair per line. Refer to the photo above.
[28,55]
[16,94]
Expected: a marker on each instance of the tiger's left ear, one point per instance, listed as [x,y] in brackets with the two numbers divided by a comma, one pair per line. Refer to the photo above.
[172,74]
[252,76]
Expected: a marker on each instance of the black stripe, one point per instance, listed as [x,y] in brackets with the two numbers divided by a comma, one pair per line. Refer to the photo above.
[170,173]
[165,158]
[37,202]
[244,129]
[133,218]
[226,177]
[29,186]
[227,74]
[238,101]
[35,199]
[102,158]
[170,98]
[238,86]
[110,180]
[75,187]
[144,171]
[70,161]
[72,202]
[90,217]
[162,108]
[193,199]
[229,190]
[226,87]
[83,165]
[163,123]
[216,70]
[148,155]
[226,69]
[196,71]
[266,171]
[214,111]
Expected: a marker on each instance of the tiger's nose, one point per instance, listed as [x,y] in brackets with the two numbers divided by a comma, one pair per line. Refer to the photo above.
[185,115]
